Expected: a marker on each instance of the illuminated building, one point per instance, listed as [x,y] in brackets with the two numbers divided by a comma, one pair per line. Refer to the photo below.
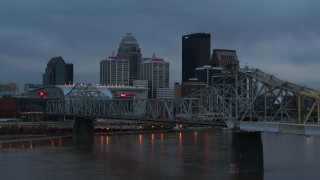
[156,71]
[114,71]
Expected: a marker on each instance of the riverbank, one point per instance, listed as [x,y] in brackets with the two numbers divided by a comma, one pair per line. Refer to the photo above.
[5,139]
[38,131]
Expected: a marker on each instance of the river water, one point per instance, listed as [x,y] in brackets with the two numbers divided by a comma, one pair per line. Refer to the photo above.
[169,155]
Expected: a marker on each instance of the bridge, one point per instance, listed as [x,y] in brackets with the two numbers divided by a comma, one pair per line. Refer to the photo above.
[248,101]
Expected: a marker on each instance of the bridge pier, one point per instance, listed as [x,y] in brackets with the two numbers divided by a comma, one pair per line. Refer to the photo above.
[83,129]
[246,153]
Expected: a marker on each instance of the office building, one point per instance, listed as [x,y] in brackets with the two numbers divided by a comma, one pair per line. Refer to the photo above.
[195,53]
[58,72]
[10,88]
[208,74]
[156,71]
[30,87]
[191,86]
[129,49]
[177,91]
[140,83]
[114,71]
[225,58]
[165,93]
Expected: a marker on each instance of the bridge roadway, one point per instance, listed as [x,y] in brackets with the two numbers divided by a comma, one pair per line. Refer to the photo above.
[276,127]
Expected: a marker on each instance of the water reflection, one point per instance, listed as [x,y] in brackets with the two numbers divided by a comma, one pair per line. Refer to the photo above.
[161,143]
[250,176]
[31,144]
[310,147]
[175,155]
[195,138]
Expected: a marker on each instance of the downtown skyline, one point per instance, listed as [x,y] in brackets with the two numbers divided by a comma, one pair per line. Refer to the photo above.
[282,38]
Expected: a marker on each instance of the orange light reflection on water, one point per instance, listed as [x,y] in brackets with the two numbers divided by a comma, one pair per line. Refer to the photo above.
[140,139]
[140,146]
[107,140]
[195,138]
[101,140]
[180,139]
[152,144]
[161,140]
[30,145]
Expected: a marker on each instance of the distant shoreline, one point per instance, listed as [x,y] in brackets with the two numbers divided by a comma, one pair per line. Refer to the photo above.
[16,132]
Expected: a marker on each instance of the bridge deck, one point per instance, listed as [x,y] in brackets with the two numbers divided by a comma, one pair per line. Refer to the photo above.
[276,127]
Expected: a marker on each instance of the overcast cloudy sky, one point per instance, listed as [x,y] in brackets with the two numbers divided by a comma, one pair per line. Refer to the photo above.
[281,37]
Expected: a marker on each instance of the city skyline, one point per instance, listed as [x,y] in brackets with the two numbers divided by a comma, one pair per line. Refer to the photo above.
[281,38]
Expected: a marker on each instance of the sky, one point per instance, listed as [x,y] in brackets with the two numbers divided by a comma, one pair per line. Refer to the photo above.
[281,37]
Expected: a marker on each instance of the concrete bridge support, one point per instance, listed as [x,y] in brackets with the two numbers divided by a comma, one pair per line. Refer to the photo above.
[83,129]
[246,153]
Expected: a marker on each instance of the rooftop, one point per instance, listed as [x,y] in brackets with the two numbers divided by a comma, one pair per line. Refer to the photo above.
[129,39]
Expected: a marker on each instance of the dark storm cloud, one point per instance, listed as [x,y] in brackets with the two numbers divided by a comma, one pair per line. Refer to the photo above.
[281,37]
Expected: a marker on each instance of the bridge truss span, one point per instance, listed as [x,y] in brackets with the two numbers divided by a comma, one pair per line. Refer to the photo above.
[259,96]
[238,95]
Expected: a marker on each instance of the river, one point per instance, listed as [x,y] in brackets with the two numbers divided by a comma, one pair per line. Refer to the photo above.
[171,155]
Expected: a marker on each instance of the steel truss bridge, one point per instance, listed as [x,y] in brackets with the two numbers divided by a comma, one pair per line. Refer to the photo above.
[248,98]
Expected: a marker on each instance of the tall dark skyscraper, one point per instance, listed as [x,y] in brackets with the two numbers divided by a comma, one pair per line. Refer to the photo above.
[195,53]
[58,72]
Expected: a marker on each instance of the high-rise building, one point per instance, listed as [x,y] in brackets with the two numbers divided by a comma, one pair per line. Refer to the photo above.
[165,93]
[208,74]
[225,58]
[195,53]
[140,83]
[58,72]
[114,71]
[156,71]
[177,90]
[129,49]
[10,88]
[191,86]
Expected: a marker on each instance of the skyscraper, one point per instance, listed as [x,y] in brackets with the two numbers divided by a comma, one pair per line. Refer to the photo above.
[156,71]
[225,58]
[195,53]
[208,74]
[129,50]
[114,71]
[58,72]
